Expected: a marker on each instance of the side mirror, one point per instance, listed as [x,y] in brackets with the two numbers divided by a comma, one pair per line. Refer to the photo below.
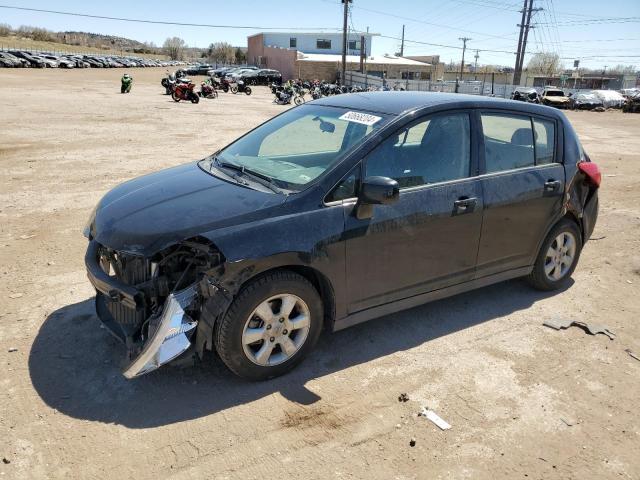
[376,191]
[379,191]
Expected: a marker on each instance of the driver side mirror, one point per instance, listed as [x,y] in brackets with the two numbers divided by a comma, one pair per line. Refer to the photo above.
[376,191]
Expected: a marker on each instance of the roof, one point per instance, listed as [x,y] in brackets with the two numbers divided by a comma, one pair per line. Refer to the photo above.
[319,32]
[379,59]
[396,103]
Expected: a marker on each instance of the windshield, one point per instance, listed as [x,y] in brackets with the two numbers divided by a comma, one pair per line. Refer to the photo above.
[298,146]
[554,93]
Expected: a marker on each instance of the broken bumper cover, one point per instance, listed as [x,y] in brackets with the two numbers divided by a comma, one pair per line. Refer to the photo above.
[170,337]
[113,288]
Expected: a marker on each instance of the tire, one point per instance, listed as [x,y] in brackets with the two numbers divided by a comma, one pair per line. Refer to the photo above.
[234,90]
[225,89]
[539,278]
[175,97]
[298,100]
[243,358]
[194,98]
[247,90]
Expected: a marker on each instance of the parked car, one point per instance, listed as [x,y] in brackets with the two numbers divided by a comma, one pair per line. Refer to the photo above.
[392,200]
[610,98]
[200,69]
[585,101]
[33,60]
[262,77]
[13,61]
[526,95]
[554,97]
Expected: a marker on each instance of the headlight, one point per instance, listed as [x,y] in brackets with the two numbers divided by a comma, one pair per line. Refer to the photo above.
[86,231]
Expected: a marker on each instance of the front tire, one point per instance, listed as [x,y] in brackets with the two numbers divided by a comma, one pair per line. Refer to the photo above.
[557,258]
[175,97]
[271,326]
[247,90]
[298,100]
[194,98]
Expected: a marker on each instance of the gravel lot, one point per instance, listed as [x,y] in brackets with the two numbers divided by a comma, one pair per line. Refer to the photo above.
[523,400]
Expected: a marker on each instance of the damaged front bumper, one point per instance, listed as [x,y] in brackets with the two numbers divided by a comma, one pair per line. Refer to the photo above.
[170,337]
[121,308]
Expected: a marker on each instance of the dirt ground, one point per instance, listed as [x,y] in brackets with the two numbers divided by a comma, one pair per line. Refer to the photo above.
[524,401]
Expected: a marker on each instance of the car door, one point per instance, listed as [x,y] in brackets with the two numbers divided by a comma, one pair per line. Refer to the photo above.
[429,238]
[523,184]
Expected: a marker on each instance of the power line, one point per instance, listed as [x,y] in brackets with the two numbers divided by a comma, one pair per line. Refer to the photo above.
[442,45]
[160,22]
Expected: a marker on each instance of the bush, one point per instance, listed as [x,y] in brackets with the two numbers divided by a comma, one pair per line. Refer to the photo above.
[5,29]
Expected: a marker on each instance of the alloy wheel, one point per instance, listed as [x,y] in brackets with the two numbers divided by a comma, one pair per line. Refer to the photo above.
[276,330]
[560,256]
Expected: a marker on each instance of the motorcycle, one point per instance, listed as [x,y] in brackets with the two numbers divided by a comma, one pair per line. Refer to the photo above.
[169,82]
[284,95]
[241,87]
[207,90]
[184,91]
[125,83]
[222,84]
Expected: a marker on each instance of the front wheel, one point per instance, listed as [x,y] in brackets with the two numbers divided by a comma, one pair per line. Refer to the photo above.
[247,90]
[558,257]
[175,97]
[271,326]
[298,100]
[194,98]
[234,90]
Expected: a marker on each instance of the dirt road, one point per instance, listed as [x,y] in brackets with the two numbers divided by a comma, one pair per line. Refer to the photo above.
[524,401]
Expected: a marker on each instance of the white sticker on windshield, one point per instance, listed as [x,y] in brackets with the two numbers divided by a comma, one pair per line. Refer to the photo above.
[363,118]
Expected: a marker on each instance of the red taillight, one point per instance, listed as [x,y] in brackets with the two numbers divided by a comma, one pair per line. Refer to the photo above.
[592,172]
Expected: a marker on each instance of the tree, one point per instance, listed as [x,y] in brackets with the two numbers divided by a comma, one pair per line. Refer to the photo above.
[174,48]
[221,52]
[546,63]
[241,57]
[623,69]
[5,29]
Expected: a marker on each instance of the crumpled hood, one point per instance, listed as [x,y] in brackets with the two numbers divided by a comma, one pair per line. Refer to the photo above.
[149,213]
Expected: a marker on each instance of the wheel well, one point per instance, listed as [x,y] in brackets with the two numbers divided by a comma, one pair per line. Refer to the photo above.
[572,216]
[320,282]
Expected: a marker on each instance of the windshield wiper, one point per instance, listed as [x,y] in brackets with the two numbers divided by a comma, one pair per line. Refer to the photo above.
[231,166]
[257,177]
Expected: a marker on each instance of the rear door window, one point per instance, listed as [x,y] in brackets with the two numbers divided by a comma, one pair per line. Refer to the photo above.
[508,142]
[545,136]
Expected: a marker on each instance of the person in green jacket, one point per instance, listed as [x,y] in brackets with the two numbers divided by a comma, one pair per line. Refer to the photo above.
[126,80]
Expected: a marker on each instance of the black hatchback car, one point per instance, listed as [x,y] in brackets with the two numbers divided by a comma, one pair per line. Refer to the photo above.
[333,213]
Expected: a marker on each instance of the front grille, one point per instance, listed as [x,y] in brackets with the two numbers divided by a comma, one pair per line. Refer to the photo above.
[132,270]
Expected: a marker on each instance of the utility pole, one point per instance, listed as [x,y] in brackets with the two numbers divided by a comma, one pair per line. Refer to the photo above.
[522,42]
[402,43]
[519,52]
[464,49]
[475,68]
[344,41]
[363,52]
[604,72]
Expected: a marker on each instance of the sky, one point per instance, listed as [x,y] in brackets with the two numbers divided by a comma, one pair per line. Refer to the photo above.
[589,30]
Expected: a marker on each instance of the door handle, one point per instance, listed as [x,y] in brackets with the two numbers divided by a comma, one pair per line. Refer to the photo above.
[551,185]
[464,205]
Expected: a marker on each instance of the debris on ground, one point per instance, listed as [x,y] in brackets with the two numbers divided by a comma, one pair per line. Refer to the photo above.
[569,422]
[5,460]
[592,328]
[412,442]
[15,295]
[403,397]
[26,237]
[435,418]
[13,349]
[633,355]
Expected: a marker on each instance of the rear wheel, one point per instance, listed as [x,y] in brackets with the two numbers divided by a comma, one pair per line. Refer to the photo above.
[194,98]
[558,257]
[298,100]
[234,89]
[175,97]
[247,90]
[271,326]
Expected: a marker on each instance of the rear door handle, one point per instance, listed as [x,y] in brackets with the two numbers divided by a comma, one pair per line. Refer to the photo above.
[551,185]
[464,205]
